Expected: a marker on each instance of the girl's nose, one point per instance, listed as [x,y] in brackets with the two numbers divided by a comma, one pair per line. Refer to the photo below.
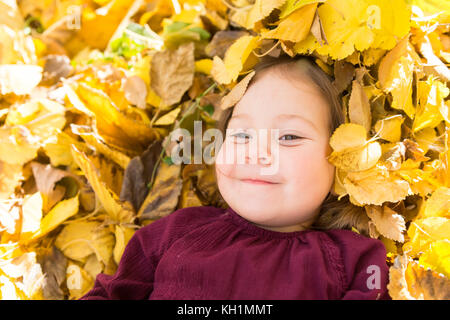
[261,150]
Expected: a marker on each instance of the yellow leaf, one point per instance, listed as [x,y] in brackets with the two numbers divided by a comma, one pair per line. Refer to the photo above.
[79,239]
[437,257]
[10,176]
[338,186]
[168,118]
[355,24]
[295,27]
[431,95]
[290,6]
[390,128]
[41,116]
[203,66]
[257,12]
[97,27]
[423,232]
[93,266]
[372,55]
[438,205]
[122,235]
[425,138]
[105,196]
[237,54]
[375,186]
[357,158]
[348,135]
[57,148]
[237,92]
[306,46]
[62,211]
[78,281]
[421,182]
[114,126]
[95,141]
[18,145]
[142,69]
[395,75]
[32,212]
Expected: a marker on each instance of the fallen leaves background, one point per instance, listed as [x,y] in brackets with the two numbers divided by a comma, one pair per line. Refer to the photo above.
[91,89]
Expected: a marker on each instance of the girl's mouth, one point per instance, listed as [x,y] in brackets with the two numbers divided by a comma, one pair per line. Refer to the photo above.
[256,181]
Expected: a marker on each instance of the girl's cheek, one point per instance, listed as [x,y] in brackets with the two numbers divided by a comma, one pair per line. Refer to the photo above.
[232,154]
[299,163]
[223,164]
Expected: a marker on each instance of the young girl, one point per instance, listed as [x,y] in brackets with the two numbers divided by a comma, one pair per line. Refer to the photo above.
[282,236]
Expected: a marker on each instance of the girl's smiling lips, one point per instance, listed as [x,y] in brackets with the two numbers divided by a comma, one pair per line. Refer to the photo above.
[257,181]
[248,179]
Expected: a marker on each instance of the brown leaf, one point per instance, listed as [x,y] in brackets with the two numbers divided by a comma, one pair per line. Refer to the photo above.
[163,197]
[388,222]
[172,73]
[55,68]
[135,91]
[359,106]
[343,74]
[409,281]
[54,265]
[46,178]
[138,174]
[413,151]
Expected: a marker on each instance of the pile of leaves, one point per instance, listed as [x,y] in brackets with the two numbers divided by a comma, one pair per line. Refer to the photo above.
[91,89]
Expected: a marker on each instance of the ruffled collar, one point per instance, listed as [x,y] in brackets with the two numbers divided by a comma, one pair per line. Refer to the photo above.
[251,228]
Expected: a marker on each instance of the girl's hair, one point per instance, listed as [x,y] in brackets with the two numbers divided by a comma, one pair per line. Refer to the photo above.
[334,213]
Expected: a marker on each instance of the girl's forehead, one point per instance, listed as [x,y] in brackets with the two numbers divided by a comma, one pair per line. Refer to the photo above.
[274,97]
[272,94]
[278,120]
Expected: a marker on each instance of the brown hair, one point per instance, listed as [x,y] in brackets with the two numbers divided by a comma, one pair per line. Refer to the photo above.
[334,213]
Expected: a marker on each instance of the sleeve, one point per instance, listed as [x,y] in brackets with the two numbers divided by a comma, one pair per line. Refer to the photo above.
[133,278]
[365,270]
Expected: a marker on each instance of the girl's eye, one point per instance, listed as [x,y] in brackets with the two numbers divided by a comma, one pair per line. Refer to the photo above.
[288,137]
[241,137]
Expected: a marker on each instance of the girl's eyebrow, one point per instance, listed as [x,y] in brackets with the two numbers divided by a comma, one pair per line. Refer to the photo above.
[284,117]
[281,117]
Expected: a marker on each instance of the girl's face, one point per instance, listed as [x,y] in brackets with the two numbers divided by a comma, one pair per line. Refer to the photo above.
[284,190]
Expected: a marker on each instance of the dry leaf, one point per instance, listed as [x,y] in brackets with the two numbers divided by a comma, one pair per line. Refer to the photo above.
[389,223]
[172,73]
[237,92]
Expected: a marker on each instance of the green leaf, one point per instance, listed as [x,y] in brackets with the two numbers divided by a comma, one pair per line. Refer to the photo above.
[175,27]
[168,160]
[204,35]
[209,109]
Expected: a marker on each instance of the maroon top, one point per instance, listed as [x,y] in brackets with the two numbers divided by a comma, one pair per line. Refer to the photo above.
[215,254]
